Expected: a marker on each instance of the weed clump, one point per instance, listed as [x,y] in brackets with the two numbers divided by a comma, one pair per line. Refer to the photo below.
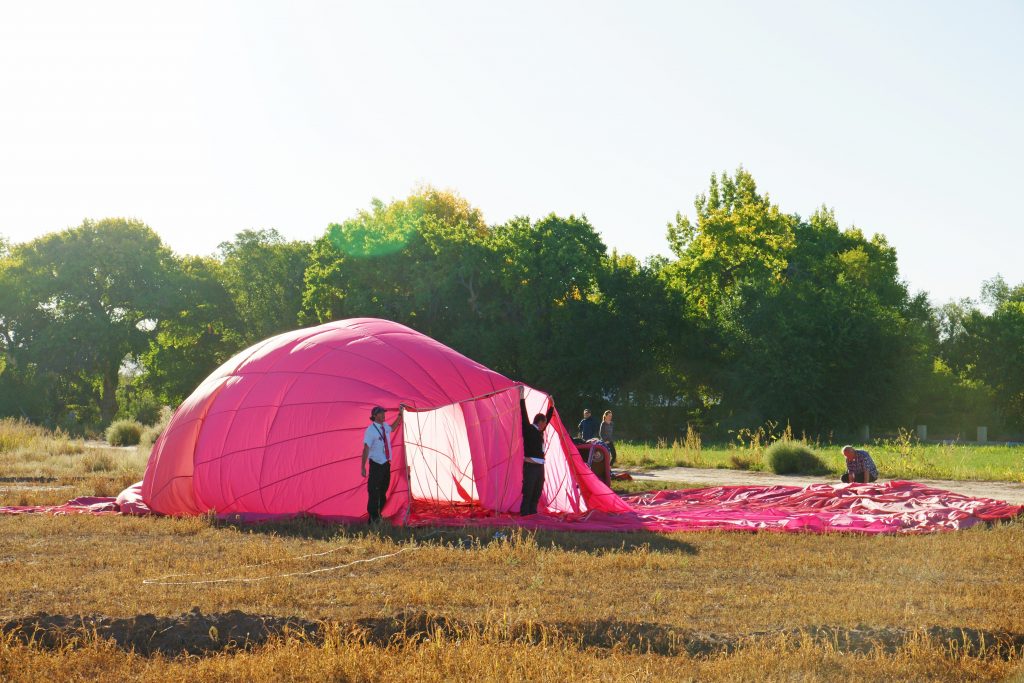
[124,433]
[98,462]
[794,457]
[739,461]
[17,433]
[151,433]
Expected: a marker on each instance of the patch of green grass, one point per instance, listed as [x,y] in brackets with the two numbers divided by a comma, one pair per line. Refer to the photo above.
[645,485]
[896,459]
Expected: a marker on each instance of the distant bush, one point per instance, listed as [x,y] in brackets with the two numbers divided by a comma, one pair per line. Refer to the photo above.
[149,436]
[794,457]
[124,433]
[151,433]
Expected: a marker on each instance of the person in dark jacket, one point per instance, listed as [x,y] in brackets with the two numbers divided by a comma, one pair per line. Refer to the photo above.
[587,428]
[533,455]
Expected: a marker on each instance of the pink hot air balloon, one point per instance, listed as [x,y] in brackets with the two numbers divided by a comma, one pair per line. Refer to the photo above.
[277,430]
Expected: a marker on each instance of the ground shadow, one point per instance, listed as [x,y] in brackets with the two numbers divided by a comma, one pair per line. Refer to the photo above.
[197,634]
[27,480]
[469,537]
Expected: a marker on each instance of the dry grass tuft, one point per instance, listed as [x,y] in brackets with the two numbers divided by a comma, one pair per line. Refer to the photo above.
[15,434]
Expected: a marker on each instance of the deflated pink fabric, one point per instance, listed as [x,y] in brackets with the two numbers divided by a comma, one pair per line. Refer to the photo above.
[130,501]
[887,508]
[87,505]
[278,431]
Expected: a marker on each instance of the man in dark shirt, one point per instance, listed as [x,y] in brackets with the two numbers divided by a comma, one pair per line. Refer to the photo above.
[533,455]
[587,428]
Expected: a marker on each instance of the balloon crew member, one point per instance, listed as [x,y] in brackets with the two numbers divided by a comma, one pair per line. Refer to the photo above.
[533,455]
[377,449]
[586,428]
[860,468]
[606,432]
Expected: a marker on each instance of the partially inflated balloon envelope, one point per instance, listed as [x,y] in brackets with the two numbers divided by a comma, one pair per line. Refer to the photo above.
[278,431]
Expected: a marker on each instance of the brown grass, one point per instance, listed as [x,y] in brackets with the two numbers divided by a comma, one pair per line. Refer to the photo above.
[480,660]
[725,584]
[43,468]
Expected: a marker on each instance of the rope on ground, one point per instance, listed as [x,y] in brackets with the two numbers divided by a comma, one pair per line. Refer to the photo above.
[258,564]
[256,579]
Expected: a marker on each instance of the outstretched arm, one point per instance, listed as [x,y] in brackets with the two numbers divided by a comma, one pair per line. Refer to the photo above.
[522,407]
[398,419]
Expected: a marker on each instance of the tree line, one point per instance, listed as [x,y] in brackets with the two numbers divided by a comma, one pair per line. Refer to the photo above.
[758,316]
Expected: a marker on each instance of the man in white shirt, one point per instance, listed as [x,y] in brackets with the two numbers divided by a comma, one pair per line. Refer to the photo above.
[377,449]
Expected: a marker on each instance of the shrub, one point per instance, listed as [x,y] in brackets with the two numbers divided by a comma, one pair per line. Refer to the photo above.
[151,433]
[124,433]
[794,457]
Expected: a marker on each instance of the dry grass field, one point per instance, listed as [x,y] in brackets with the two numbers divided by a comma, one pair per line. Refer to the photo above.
[308,601]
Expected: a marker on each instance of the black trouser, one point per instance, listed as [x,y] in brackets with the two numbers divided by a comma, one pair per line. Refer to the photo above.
[611,449]
[533,485]
[858,478]
[377,486]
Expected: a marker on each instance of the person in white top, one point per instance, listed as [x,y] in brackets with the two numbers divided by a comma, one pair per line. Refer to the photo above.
[377,449]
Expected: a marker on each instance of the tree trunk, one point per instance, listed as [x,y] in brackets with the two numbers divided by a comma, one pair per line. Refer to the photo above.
[108,399]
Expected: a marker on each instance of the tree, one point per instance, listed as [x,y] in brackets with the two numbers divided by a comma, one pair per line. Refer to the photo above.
[88,298]
[989,349]
[386,262]
[811,323]
[740,242]
[549,315]
[520,297]
[265,275]
[428,261]
[200,331]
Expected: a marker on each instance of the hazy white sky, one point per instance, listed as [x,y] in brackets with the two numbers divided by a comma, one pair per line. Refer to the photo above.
[206,118]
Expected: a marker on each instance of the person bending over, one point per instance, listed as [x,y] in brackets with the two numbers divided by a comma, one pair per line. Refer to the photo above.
[860,468]
[533,455]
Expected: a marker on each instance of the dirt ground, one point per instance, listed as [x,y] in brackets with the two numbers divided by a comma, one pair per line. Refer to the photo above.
[998,490]
[196,633]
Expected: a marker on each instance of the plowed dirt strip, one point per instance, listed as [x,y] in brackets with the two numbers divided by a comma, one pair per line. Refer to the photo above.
[195,633]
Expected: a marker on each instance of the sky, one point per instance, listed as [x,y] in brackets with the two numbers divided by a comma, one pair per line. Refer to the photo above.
[203,119]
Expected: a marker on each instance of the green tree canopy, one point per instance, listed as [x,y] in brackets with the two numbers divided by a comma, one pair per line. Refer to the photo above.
[265,275]
[812,323]
[88,298]
[988,348]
